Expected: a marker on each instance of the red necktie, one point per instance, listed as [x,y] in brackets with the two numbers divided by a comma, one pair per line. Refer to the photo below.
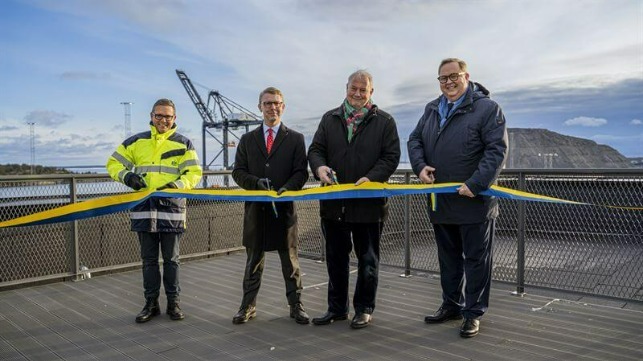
[269,140]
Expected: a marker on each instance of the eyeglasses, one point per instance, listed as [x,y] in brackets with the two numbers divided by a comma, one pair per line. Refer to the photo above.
[453,76]
[271,104]
[162,116]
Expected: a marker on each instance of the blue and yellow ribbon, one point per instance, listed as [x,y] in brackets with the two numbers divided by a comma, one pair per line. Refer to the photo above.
[112,204]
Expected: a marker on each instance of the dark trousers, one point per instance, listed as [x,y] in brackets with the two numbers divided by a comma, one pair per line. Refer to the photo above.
[169,245]
[254,270]
[465,255]
[341,237]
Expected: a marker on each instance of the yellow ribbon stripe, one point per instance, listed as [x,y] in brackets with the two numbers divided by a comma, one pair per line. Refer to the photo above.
[112,204]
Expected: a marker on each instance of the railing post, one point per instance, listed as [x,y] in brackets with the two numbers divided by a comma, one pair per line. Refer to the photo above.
[520,266]
[407,229]
[74,233]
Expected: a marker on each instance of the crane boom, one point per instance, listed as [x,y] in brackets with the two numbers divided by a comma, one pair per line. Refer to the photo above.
[233,116]
[206,115]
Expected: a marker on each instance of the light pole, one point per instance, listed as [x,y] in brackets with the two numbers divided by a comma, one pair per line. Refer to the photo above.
[32,145]
[127,107]
[548,159]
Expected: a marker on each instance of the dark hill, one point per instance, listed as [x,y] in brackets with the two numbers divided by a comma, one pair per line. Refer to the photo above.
[541,148]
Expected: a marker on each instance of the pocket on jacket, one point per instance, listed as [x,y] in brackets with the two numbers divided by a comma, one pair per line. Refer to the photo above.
[472,141]
[175,204]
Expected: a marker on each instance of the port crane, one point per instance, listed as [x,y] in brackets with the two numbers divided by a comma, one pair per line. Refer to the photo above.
[219,113]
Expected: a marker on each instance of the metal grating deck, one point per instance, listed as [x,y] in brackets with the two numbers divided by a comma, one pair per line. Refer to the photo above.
[94,319]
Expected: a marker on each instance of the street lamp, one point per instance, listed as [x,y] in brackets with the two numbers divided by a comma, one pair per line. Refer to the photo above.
[548,158]
[32,145]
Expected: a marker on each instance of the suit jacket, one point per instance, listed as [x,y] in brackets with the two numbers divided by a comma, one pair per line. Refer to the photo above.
[285,166]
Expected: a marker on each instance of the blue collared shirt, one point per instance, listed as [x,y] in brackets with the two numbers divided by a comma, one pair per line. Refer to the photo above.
[442,108]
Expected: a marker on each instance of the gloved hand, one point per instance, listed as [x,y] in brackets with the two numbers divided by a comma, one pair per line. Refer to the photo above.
[134,181]
[281,190]
[263,184]
[168,185]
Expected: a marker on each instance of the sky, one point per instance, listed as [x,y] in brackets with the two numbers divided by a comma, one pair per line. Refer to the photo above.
[571,66]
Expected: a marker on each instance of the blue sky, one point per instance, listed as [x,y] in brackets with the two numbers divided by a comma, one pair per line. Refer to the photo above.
[571,66]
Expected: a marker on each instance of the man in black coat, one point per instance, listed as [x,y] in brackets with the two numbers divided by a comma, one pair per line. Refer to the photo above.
[462,137]
[272,156]
[358,143]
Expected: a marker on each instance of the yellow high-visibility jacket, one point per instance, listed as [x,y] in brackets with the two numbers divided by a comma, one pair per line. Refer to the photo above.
[159,159]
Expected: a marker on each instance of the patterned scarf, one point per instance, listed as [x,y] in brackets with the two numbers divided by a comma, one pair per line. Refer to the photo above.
[354,117]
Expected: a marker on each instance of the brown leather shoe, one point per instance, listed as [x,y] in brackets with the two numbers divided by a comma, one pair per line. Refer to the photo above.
[470,327]
[443,315]
[244,315]
[328,318]
[298,312]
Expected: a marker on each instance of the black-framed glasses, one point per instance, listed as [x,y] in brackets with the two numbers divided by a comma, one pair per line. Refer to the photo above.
[271,104]
[453,77]
[162,116]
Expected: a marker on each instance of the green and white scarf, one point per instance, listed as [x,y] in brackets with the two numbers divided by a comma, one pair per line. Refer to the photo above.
[354,117]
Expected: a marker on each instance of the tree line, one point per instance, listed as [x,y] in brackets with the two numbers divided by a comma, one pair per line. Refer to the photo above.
[26,169]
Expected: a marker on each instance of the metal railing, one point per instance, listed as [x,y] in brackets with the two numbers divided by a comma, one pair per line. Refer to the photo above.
[590,249]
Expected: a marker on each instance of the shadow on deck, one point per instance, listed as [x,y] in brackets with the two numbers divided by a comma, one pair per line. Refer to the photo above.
[94,319]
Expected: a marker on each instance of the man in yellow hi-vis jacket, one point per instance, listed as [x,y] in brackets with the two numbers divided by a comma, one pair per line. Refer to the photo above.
[158,159]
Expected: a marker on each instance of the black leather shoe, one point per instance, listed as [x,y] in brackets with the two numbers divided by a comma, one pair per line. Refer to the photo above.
[150,310]
[329,317]
[443,315]
[244,314]
[361,320]
[298,312]
[470,327]
[174,311]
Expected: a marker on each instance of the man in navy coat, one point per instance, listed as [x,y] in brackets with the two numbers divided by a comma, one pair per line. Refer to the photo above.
[462,137]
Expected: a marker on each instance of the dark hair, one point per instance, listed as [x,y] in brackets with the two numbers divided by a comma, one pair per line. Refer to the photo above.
[164,102]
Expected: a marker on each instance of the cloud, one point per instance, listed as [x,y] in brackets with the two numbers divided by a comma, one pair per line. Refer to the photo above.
[47,118]
[573,95]
[307,48]
[608,138]
[8,128]
[586,121]
[84,75]
[543,106]
[636,122]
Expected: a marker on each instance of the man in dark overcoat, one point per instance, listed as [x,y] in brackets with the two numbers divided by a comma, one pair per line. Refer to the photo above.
[356,142]
[272,156]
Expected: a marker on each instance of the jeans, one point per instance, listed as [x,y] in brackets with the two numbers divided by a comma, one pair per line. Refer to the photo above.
[169,244]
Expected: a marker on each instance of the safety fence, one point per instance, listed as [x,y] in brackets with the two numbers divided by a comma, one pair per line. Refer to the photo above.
[593,250]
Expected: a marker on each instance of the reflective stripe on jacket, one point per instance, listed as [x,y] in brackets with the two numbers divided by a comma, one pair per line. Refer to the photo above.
[159,159]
